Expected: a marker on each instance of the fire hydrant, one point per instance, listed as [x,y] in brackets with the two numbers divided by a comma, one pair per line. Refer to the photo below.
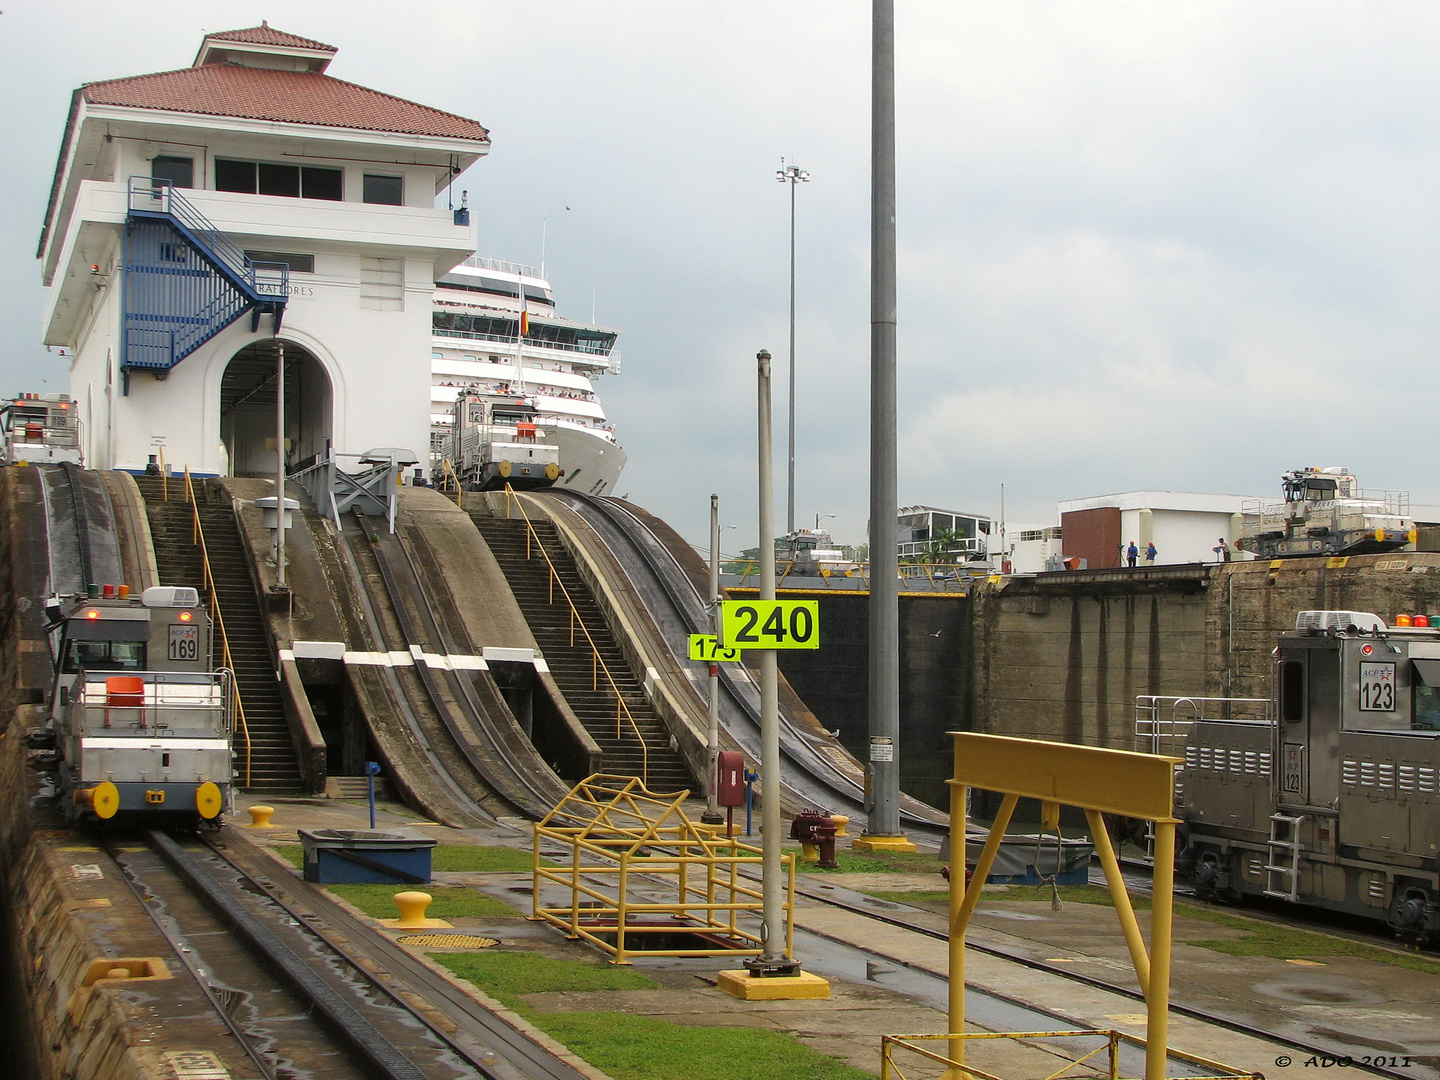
[815,829]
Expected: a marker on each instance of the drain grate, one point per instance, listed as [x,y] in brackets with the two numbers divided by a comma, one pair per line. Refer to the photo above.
[448,941]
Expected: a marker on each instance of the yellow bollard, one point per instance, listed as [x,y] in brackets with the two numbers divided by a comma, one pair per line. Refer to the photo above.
[809,851]
[840,822]
[412,907]
[260,817]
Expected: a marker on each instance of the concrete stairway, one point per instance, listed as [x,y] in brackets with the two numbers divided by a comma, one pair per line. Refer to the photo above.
[571,666]
[273,765]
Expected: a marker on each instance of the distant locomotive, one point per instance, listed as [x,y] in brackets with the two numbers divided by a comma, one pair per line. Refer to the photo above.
[1326,513]
[496,439]
[1332,799]
[140,723]
[40,430]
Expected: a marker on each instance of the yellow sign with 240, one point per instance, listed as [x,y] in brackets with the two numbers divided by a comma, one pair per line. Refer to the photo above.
[770,624]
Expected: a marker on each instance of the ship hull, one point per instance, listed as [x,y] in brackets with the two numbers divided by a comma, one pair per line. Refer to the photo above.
[591,464]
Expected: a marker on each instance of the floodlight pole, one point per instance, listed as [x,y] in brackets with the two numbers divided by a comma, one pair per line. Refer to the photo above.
[794,176]
[712,815]
[772,907]
[884,703]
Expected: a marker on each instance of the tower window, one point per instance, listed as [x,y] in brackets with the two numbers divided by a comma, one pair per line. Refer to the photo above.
[286,181]
[180,171]
[386,190]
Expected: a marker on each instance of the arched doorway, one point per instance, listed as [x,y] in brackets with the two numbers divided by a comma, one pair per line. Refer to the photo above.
[247,407]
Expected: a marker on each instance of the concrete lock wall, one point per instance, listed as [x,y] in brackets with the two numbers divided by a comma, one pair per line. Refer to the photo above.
[936,670]
[1062,656]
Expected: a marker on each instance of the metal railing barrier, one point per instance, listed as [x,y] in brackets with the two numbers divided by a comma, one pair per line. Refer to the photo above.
[597,662]
[197,537]
[1060,1043]
[626,845]
[1163,722]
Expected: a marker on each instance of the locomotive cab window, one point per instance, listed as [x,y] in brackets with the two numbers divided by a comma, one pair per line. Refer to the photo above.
[105,656]
[1292,691]
[1426,684]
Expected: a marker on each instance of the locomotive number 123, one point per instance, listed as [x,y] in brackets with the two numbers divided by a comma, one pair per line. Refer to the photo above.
[1377,687]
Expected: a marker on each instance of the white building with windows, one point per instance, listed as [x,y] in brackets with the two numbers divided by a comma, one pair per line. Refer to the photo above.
[942,535]
[200,215]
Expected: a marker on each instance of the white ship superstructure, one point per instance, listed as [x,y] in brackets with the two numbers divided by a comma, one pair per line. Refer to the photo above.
[495,332]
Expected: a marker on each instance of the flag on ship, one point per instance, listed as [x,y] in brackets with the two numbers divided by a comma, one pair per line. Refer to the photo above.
[524,324]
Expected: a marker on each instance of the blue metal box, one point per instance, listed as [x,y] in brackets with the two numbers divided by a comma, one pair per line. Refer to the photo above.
[366,857]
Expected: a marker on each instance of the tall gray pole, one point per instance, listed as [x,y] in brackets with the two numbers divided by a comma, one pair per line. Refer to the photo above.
[772,904]
[279,464]
[884,704]
[712,815]
[790,402]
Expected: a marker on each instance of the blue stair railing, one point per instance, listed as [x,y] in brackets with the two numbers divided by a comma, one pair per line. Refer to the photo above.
[185,280]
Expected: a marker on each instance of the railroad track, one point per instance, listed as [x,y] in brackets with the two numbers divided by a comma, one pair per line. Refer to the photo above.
[814,776]
[275,957]
[1301,1049]
[1232,1023]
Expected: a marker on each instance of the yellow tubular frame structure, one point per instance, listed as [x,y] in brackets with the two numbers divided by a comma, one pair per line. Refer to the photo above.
[597,663]
[615,829]
[197,536]
[1099,781]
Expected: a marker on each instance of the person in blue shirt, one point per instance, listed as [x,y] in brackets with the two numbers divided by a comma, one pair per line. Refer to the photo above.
[1150,553]
[1132,553]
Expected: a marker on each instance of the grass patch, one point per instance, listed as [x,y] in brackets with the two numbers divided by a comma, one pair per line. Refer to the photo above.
[507,975]
[912,896]
[447,857]
[877,862]
[1286,943]
[630,1047]
[472,857]
[450,901]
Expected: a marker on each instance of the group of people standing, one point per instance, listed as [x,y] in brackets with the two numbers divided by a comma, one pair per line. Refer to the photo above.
[1131,553]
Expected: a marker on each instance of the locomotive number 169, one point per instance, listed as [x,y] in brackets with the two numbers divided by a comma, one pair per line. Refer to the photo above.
[184,643]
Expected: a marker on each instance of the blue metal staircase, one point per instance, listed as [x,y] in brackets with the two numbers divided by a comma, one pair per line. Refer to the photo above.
[185,280]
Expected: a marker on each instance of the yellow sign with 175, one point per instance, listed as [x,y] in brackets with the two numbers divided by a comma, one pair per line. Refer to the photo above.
[707,647]
[770,624]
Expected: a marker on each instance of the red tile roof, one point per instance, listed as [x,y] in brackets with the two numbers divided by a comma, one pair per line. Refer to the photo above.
[295,97]
[264,34]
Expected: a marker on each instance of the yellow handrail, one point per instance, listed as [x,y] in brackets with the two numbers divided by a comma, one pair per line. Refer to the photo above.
[448,473]
[597,663]
[197,536]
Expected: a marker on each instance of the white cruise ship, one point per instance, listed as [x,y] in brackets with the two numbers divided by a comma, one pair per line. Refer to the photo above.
[495,331]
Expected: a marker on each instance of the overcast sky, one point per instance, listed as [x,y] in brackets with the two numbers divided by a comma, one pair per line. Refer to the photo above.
[1177,246]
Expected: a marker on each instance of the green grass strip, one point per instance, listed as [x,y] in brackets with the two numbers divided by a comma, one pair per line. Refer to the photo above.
[507,975]
[1261,938]
[450,901]
[1286,943]
[877,862]
[631,1047]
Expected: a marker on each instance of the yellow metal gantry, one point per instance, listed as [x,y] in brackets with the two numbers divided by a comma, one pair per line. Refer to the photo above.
[1098,781]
